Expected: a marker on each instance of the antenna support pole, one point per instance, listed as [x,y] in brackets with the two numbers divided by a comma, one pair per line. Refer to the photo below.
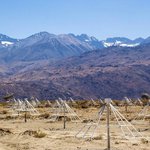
[108,127]
[64,116]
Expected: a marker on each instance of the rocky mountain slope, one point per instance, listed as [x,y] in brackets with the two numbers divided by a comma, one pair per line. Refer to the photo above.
[109,72]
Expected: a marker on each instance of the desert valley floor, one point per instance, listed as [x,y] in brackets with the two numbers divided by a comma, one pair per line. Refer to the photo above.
[39,133]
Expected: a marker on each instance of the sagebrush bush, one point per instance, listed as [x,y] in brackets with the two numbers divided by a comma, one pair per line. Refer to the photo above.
[39,134]
[144,141]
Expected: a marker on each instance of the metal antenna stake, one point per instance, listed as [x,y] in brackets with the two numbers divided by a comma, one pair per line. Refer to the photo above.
[108,100]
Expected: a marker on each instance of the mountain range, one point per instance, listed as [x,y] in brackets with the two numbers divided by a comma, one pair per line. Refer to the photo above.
[49,66]
[46,46]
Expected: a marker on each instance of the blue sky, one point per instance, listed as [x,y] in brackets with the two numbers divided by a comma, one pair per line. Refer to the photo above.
[100,18]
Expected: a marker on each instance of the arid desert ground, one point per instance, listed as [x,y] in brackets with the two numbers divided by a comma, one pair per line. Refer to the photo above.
[40,133]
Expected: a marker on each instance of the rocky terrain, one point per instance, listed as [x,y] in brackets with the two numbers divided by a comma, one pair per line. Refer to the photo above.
[31,68]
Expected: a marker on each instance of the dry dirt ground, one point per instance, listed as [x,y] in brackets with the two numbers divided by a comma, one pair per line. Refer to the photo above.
[41,134]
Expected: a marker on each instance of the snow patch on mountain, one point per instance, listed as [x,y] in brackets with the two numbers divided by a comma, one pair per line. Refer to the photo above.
[129,45]
[119,43]
[6,43]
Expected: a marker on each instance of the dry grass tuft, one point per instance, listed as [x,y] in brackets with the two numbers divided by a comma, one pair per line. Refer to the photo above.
[4,131]
[39,134]
[144,141]
[98,138]
[4,112]
[135,144]
[36,134]
[45,115]
[117,142]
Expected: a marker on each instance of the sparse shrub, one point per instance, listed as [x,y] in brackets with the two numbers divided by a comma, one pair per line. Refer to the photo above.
[3,104]
[60,118]
[116,142]
[9,117]
[4,112]
[144,141]
[29,132]
[135,144]
[87,120]
[4,131]
[36,134]
[98,138]
[39,134]
[103,119]
[45,115]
